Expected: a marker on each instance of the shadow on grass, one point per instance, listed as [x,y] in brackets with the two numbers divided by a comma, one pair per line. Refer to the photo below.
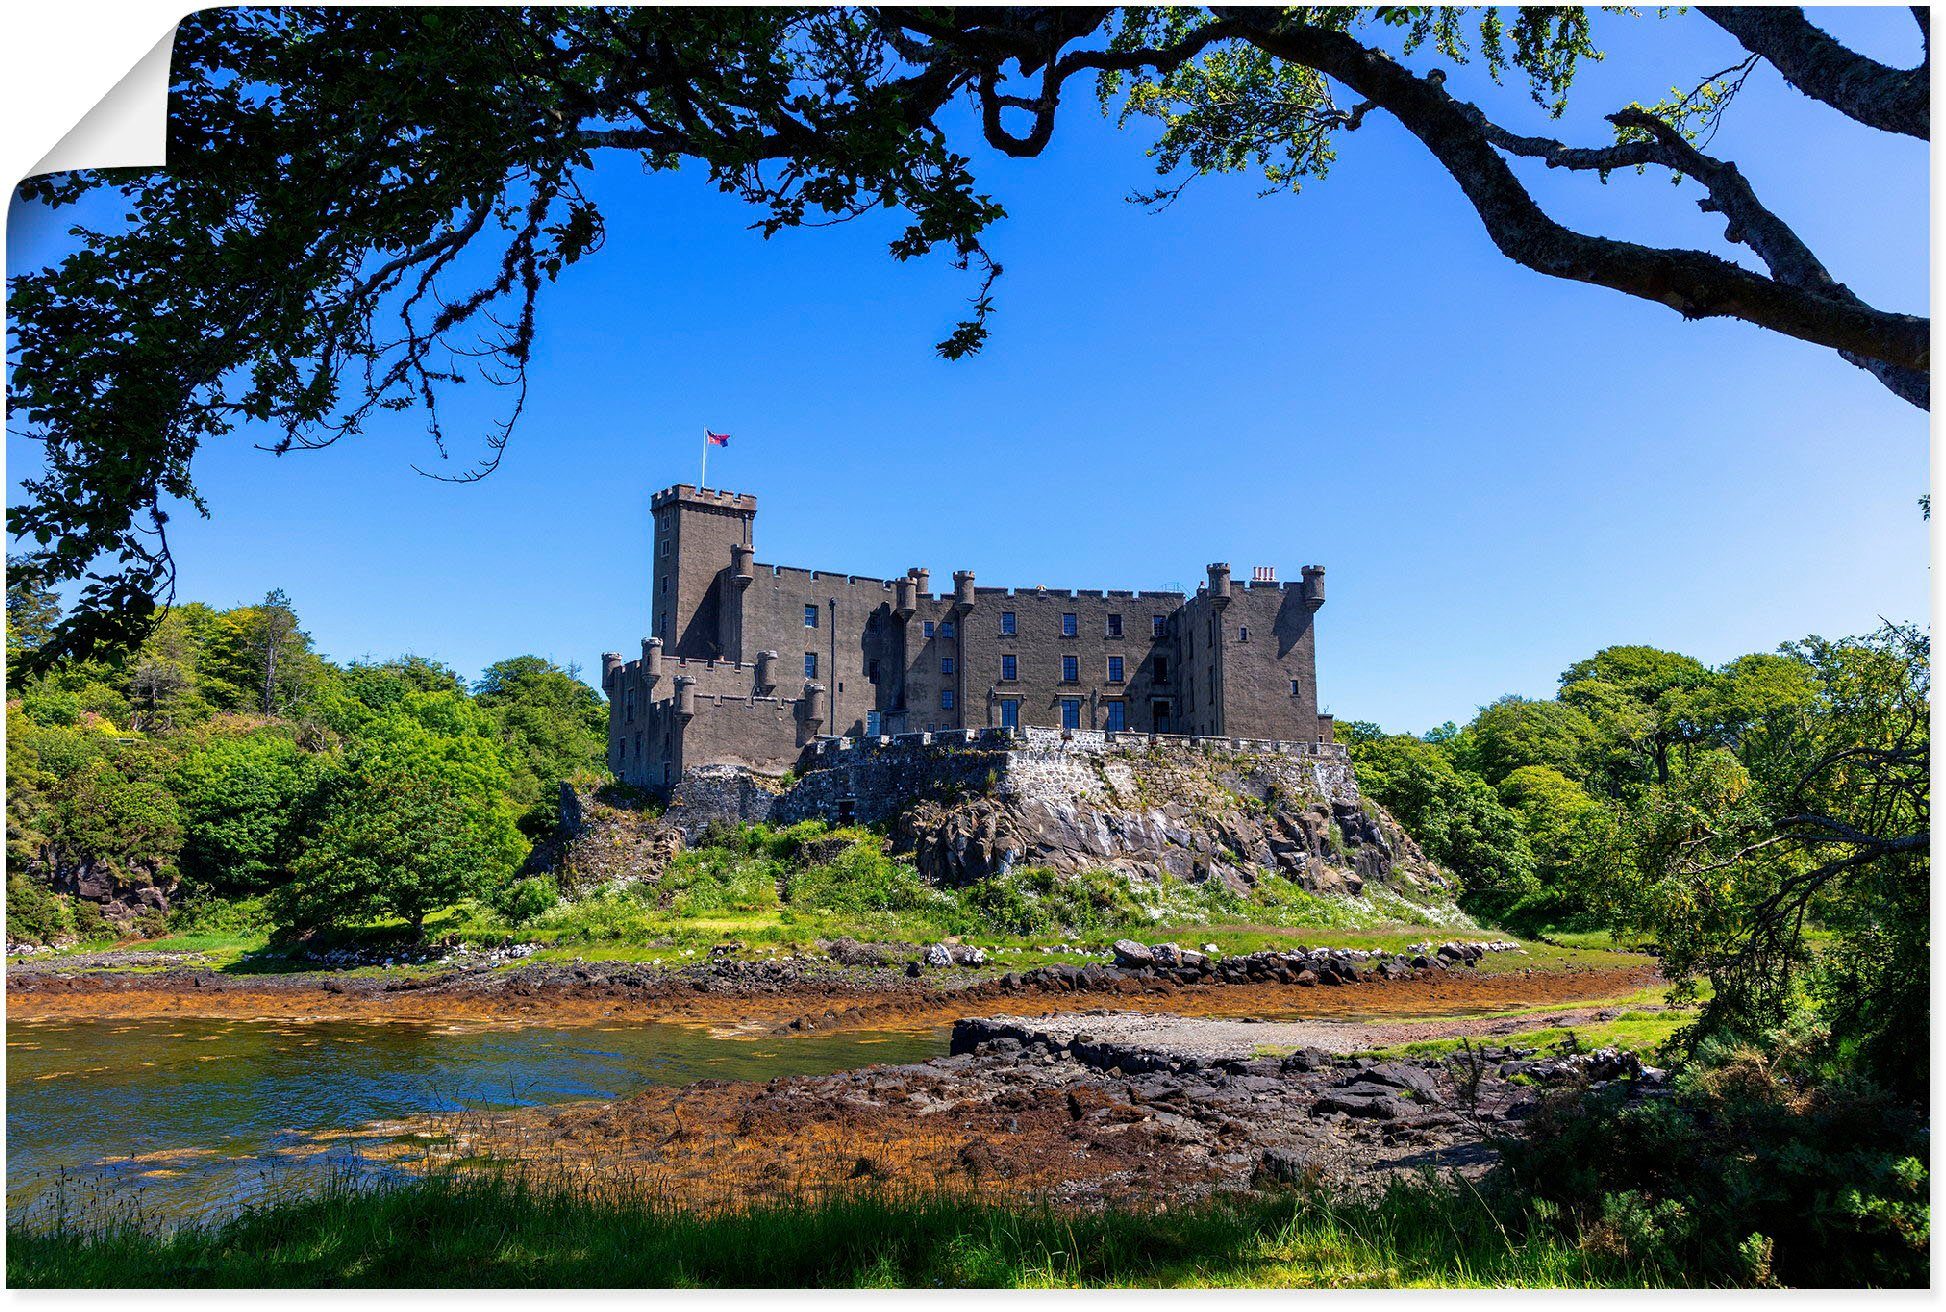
[494,1232]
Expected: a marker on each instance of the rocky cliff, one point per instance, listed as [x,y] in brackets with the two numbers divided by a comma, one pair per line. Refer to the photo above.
[969,809]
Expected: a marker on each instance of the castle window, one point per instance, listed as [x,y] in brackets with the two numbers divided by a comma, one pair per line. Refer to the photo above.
[1070,713]
[810,616]
[1117,717]
[628,705]
[945,664]
[946,628]
[1008,624]
[929,628]
[810,665]
[1212,683]
[1156,624]
[1114,626]
[1010,714]
[1070,669]
[1294,689]
[1114,669]
[1009,669]
[1162,669]
[1069,625]
[945,699]
[1243,633]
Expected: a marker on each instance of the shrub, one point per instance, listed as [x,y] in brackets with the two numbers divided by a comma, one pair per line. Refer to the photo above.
[1741,1175]
[862,878]
[522,899]
[36,913]
[217,915]
[718,879]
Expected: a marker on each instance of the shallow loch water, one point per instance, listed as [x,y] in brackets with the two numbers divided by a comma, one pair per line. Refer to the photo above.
[166,1119]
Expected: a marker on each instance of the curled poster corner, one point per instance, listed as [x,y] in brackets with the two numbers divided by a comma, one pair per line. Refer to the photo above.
[128,127]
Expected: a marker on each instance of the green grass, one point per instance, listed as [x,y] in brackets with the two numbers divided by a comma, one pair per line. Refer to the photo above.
[486,1232]
[1639,1031]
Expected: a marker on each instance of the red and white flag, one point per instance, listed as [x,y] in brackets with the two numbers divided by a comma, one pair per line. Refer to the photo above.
[716,439]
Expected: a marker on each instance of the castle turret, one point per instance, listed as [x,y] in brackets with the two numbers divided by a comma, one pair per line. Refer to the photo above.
[651,660]
[1313,586]
[611,663]
[902,595]
[922,580]
[1219,584]
[743,564]
[817,709]
[963,589]
[685,698]
[766,671]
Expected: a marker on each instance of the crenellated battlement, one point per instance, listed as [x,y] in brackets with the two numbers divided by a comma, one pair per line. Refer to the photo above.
[1230,666]
[826,752]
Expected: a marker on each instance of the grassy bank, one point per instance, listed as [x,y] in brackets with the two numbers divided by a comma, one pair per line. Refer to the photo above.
[496,1233]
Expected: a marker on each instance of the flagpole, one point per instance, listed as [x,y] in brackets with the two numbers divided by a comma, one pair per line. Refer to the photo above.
[703,479]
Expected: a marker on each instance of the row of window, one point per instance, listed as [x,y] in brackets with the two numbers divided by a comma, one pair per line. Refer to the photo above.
[1071,625]
[1070,715]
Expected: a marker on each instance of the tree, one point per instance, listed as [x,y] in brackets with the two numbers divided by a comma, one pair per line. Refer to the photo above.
[1515,732]
[1455,817]
[33,611]
[555,728]
[1637,697]
[357,197]
[1573,838]
[244,800]
[418,817]
[1822,816]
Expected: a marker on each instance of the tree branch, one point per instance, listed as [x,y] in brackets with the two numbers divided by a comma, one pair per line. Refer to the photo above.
[1860,88]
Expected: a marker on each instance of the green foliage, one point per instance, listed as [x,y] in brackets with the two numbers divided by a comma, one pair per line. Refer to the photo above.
[1455,816]
[222,916]
[523,899]
[1802,810]
[418,816]
[1744,1176]
[244,800]
[715,879]
[1515,732]
[36,913]
[555,727]
[1036,900]
[860,878]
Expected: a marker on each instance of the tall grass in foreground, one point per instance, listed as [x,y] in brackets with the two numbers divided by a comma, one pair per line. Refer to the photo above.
[490,1231]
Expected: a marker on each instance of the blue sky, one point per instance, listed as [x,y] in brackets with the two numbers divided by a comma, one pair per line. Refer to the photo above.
[1501,472]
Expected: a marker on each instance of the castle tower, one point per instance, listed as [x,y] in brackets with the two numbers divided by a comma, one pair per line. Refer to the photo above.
[702,552]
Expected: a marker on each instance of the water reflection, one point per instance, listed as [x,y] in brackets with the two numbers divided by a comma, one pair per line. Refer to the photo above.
[186,1117]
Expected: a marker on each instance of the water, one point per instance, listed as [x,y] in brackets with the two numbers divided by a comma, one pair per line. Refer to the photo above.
[174,1118]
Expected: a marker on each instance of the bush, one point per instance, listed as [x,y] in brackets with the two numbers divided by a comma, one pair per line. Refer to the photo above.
[1741,1175]
[523,899]
[860,879]
[37,914]
[216,915]
[718,879]
[616,913]
[1037,900]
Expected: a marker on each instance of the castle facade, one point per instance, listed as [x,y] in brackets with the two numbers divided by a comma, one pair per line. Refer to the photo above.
[752,664]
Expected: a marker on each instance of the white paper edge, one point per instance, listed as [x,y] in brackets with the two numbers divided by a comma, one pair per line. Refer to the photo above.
[127,128]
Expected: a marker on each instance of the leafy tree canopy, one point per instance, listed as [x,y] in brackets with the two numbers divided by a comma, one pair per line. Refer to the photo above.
[364,207]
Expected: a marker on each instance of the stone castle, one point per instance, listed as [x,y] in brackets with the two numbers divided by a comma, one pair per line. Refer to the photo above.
[756,665]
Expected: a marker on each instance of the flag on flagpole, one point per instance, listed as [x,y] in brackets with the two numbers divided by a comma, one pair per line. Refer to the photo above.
[709,440]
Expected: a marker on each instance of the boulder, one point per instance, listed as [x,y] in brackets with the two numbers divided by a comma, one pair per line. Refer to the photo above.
[1130,955]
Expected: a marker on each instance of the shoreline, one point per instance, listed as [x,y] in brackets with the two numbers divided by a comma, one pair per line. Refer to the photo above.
[772,998]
